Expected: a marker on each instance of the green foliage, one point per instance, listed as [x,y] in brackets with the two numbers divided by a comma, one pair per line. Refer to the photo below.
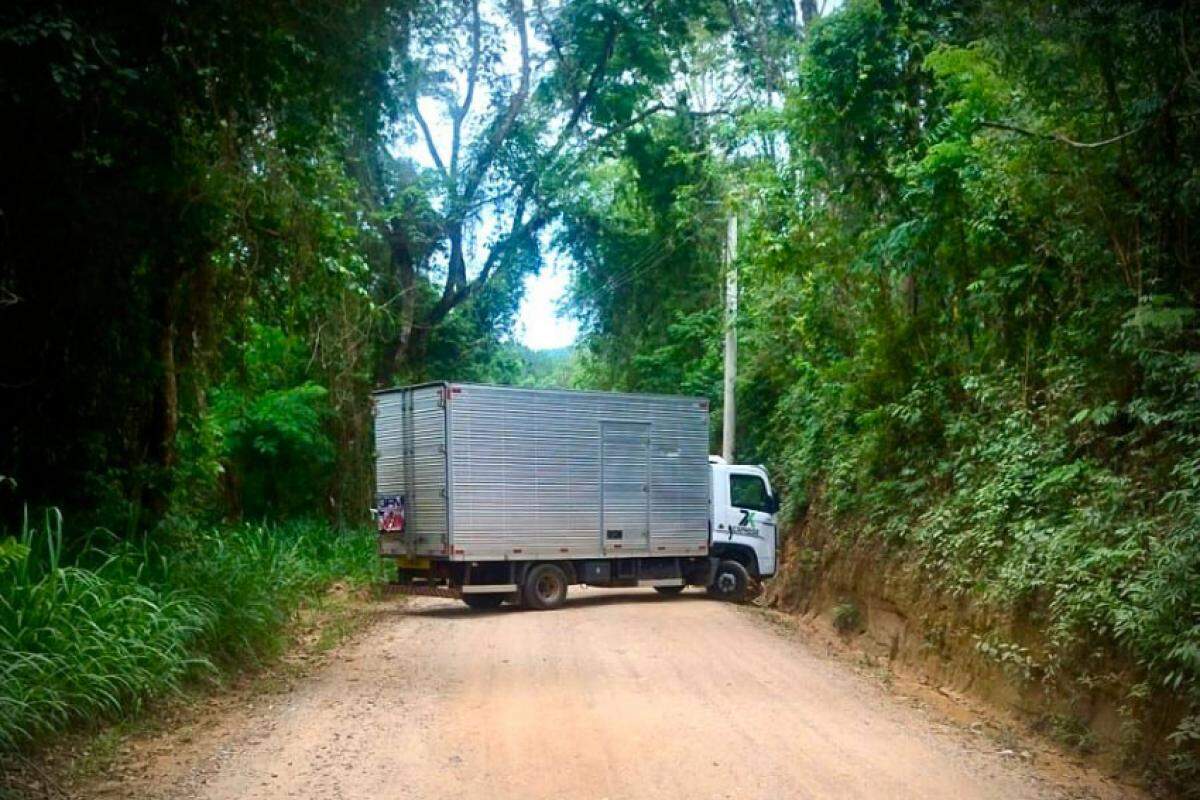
[1072,732]
[181,168]
[847,619]
[547,369]
[643,239]
[968,331]
[91,634]
[983,370]
[275,448]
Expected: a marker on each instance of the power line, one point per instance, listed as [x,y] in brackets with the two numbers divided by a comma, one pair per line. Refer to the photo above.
[651,257]
[642,262]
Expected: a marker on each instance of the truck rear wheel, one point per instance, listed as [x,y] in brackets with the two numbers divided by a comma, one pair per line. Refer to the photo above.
[731,582]
[482,602]
[545,587]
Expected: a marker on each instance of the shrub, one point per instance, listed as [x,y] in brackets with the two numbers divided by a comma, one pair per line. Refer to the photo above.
[846,618]
[271,431]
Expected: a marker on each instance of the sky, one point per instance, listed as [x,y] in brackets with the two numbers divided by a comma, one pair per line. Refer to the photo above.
[539,327]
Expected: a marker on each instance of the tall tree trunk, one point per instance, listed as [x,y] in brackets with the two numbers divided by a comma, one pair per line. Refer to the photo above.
[404,268]
[164,422]
[170,395]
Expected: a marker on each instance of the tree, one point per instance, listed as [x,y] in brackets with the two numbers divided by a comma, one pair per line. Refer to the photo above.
[970,316]
[521,95]
[145,136]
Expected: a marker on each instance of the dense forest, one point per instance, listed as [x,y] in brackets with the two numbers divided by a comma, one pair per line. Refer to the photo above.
[968,298]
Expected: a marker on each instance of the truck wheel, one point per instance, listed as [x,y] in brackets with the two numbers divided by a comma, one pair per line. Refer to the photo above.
[670,590]
[482,602]
[730,582]
[545,587]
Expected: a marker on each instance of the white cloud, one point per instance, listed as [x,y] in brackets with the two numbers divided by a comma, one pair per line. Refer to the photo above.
[539,326]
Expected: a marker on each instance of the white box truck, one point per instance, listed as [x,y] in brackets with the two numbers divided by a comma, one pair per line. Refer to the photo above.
[496,493]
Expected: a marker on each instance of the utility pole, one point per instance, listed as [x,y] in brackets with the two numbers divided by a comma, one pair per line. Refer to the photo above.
[729,418]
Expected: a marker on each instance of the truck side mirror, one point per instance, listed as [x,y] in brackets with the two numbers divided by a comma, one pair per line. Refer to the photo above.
[772,504]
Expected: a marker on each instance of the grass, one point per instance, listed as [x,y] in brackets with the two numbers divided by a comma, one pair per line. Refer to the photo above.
[1069,731]
[846,618]
[92,635]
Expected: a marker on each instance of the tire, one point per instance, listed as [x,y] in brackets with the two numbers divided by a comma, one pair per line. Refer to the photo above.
[731,582]
[545,587]
[669,590]
[483,602]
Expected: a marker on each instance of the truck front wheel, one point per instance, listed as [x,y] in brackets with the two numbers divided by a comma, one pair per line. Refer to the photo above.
[731,582]
[545,587]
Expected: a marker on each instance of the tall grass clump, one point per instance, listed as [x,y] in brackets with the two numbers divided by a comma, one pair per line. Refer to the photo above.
[92,634]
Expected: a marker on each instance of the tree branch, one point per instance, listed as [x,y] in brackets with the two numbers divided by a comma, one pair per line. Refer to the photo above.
[808,13]
[555,41]
[462,200]
[635,120]
[504,126]
[461,112]
[517,233]
[433,152]
[757,41]
[589,93]
[1063,138]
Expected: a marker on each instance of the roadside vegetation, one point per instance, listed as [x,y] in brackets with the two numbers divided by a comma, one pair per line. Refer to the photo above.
[969,339]
[91,632]
[215,242]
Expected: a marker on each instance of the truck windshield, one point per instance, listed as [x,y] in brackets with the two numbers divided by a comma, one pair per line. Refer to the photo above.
[749,491]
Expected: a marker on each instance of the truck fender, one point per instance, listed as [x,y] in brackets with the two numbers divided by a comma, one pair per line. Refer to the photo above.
[739,553]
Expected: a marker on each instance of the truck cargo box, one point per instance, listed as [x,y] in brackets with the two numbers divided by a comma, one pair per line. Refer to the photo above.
[470,472]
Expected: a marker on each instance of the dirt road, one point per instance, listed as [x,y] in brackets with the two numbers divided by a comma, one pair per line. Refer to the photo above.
[619,695]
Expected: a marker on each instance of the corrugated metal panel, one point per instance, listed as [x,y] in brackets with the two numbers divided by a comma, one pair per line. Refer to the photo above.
[410,460]
[625,485]
[526,471]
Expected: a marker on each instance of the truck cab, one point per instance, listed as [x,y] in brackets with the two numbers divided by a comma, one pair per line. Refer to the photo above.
[743,517]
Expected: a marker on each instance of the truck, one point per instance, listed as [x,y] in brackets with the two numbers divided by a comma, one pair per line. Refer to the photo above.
[496,494]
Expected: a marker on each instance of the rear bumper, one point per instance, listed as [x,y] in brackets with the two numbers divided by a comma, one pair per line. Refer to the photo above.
[411,563]
[393,545]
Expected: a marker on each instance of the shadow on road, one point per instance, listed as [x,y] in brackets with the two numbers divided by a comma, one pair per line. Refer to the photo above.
[575,602]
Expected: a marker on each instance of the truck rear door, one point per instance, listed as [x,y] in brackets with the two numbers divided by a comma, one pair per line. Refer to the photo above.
[625,487]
